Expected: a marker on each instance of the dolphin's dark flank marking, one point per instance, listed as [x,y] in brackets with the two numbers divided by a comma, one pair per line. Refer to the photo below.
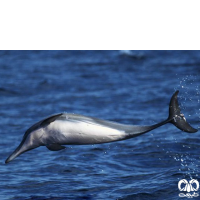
[71,129]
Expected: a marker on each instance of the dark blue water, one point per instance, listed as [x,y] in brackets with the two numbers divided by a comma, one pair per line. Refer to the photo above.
[127,87]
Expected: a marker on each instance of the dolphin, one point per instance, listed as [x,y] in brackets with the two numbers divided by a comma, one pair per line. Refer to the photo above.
[72,129]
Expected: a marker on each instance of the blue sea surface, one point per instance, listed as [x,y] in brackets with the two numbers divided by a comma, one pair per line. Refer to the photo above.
[130,87]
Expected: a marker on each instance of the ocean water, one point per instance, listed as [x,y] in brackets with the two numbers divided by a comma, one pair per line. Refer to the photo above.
[130,87]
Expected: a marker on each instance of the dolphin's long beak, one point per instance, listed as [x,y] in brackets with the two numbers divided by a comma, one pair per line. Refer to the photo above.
[16,153]
[23,147]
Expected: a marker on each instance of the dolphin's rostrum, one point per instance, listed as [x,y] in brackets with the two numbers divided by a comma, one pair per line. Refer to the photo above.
[71,129]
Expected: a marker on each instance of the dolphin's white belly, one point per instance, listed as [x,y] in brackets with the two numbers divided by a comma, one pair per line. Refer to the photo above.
[80,132]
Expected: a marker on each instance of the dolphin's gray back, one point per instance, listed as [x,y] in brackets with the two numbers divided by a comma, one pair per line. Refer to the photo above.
[95,121]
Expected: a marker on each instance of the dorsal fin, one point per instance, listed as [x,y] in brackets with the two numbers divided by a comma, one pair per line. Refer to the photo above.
[43,122]
[50,119]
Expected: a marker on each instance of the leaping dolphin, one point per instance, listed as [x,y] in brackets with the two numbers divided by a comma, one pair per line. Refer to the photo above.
[72,129]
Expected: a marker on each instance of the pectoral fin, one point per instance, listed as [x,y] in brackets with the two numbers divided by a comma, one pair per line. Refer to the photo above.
[55,147]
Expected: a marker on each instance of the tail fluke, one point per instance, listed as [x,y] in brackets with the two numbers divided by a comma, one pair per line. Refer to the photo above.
[176,117]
